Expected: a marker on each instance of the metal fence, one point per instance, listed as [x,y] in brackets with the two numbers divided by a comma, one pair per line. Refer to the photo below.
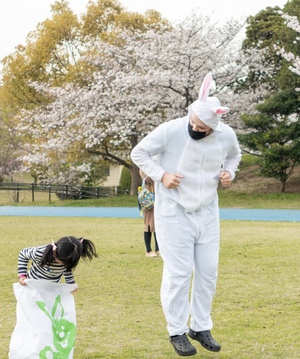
[63,192]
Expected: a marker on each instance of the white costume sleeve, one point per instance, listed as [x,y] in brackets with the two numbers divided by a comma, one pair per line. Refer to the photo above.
[143,153]
[233,151]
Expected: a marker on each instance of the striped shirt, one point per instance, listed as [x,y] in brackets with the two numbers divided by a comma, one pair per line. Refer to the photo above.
[52,272]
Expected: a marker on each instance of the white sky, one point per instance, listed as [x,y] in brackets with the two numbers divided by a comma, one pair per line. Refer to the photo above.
[19,17]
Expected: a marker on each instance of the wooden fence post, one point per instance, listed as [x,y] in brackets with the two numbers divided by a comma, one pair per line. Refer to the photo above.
[18,193]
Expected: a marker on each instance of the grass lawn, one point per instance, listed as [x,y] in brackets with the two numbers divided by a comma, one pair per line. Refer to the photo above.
[227,198]
[256,309]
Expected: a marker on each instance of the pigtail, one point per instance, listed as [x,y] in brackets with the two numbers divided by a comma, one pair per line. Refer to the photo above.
[88,249]
[48,256]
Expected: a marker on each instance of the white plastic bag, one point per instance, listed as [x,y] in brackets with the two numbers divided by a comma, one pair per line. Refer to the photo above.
[46,321]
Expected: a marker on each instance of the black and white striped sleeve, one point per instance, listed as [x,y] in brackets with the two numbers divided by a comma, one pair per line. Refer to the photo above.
[24,256]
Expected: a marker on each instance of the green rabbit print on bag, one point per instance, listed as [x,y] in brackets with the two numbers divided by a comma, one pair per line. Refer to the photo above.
[64,332]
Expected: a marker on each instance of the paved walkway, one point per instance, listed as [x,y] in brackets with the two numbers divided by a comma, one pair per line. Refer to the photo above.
[129,212]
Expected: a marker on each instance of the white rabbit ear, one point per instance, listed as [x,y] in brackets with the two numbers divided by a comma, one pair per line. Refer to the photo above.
[205,87]
[220,110]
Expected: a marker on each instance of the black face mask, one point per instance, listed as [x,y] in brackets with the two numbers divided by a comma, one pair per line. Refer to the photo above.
[195,135]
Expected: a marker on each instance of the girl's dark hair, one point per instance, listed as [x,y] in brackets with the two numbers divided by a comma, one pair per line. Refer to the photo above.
[69,250]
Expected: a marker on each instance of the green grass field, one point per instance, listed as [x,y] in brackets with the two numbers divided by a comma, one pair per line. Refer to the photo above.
[256,309]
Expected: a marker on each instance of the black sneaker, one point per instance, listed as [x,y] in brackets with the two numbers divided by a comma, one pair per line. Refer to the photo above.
[182,345]
[205,339]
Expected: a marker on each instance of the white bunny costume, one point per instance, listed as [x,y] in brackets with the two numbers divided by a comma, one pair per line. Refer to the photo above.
[187,217]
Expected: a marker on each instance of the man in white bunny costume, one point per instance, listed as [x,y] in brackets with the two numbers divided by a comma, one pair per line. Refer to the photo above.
[193,154]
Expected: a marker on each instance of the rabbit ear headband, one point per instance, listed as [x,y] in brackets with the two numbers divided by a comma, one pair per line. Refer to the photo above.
[208,109]
[207,85]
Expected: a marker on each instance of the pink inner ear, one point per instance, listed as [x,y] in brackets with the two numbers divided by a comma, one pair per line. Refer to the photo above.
[220,111]
[204,90]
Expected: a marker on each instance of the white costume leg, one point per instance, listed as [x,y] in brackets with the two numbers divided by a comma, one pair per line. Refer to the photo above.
[189,241]
[176,238]
[206,260]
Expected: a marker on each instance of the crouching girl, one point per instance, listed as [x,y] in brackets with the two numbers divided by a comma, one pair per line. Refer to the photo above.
[52,261]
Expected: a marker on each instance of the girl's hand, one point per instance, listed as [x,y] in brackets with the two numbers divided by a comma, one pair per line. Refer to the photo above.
[22,280]
[75,290]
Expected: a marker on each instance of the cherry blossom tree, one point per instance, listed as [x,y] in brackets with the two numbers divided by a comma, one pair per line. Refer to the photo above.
[139,81]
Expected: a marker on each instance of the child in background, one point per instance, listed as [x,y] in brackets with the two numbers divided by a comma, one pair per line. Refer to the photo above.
[149,225]
[51,261]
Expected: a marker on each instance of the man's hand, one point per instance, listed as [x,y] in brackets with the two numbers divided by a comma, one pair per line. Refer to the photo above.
[171,180]
[225,179]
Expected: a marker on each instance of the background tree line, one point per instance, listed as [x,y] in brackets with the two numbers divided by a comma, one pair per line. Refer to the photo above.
[85,90]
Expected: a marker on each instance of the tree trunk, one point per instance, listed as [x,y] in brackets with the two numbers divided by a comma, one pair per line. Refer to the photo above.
[135,179]
[283,183]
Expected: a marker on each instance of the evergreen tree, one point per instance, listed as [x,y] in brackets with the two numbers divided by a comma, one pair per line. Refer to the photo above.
[272,133]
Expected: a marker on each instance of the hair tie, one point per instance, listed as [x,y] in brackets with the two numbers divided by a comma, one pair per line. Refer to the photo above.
[54,246]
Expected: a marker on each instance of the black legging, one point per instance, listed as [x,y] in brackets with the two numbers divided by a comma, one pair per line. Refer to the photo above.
[147,240]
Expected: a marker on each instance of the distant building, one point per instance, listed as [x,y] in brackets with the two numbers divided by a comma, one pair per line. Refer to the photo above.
[114,176]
